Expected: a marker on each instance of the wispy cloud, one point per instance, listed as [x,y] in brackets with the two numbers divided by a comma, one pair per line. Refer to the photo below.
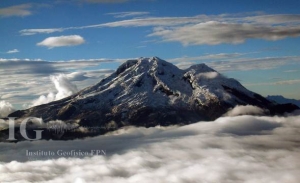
[224,62]
[291,71]
[274,19]
[27,32]
[18,10]
[213,33]
[151,21]
[203,29]
[136,22]
[13,51]
[244,64]
[128,14]
[285,82]
[208,57]
[60,41]
[21,10]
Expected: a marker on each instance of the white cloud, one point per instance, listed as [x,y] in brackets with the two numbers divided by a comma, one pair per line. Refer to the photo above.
[230,149]
[185,64]
[254,63]
[209,75]
[136,22]
[43,99]
[128,14]
[152,21]
[285,82]
[245,110]
[13,51]
[77,76]
[213,33]
[290,82]
[18,10]
[210,57]
[27,32]
[5,108]
[71,40]
[274,19]
[291,71]
[63,86]
[64,89]
[236,62]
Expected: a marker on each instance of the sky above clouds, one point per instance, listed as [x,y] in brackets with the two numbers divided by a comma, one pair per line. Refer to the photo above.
[256,43]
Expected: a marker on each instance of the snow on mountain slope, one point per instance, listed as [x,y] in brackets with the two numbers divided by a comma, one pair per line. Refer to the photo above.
[142,80]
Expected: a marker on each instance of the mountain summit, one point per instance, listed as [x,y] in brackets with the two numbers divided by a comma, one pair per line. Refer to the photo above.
[149,92]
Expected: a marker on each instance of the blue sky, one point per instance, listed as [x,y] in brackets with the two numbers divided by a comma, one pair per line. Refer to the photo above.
[256,42]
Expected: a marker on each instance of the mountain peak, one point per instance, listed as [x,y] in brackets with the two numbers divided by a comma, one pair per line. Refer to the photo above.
[200,68]
[142,61]
[149,92]
[156,62]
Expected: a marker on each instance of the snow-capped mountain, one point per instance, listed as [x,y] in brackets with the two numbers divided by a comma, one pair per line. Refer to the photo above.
[149,92]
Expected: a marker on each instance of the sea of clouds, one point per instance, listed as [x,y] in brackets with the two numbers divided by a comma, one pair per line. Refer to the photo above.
[231,149]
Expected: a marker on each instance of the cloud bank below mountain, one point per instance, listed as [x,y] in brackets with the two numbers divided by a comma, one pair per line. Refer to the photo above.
[230,149]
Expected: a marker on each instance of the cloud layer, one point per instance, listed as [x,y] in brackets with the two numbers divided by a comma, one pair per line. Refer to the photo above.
[21,79]
[60,41]
[230,149]
[13,51]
